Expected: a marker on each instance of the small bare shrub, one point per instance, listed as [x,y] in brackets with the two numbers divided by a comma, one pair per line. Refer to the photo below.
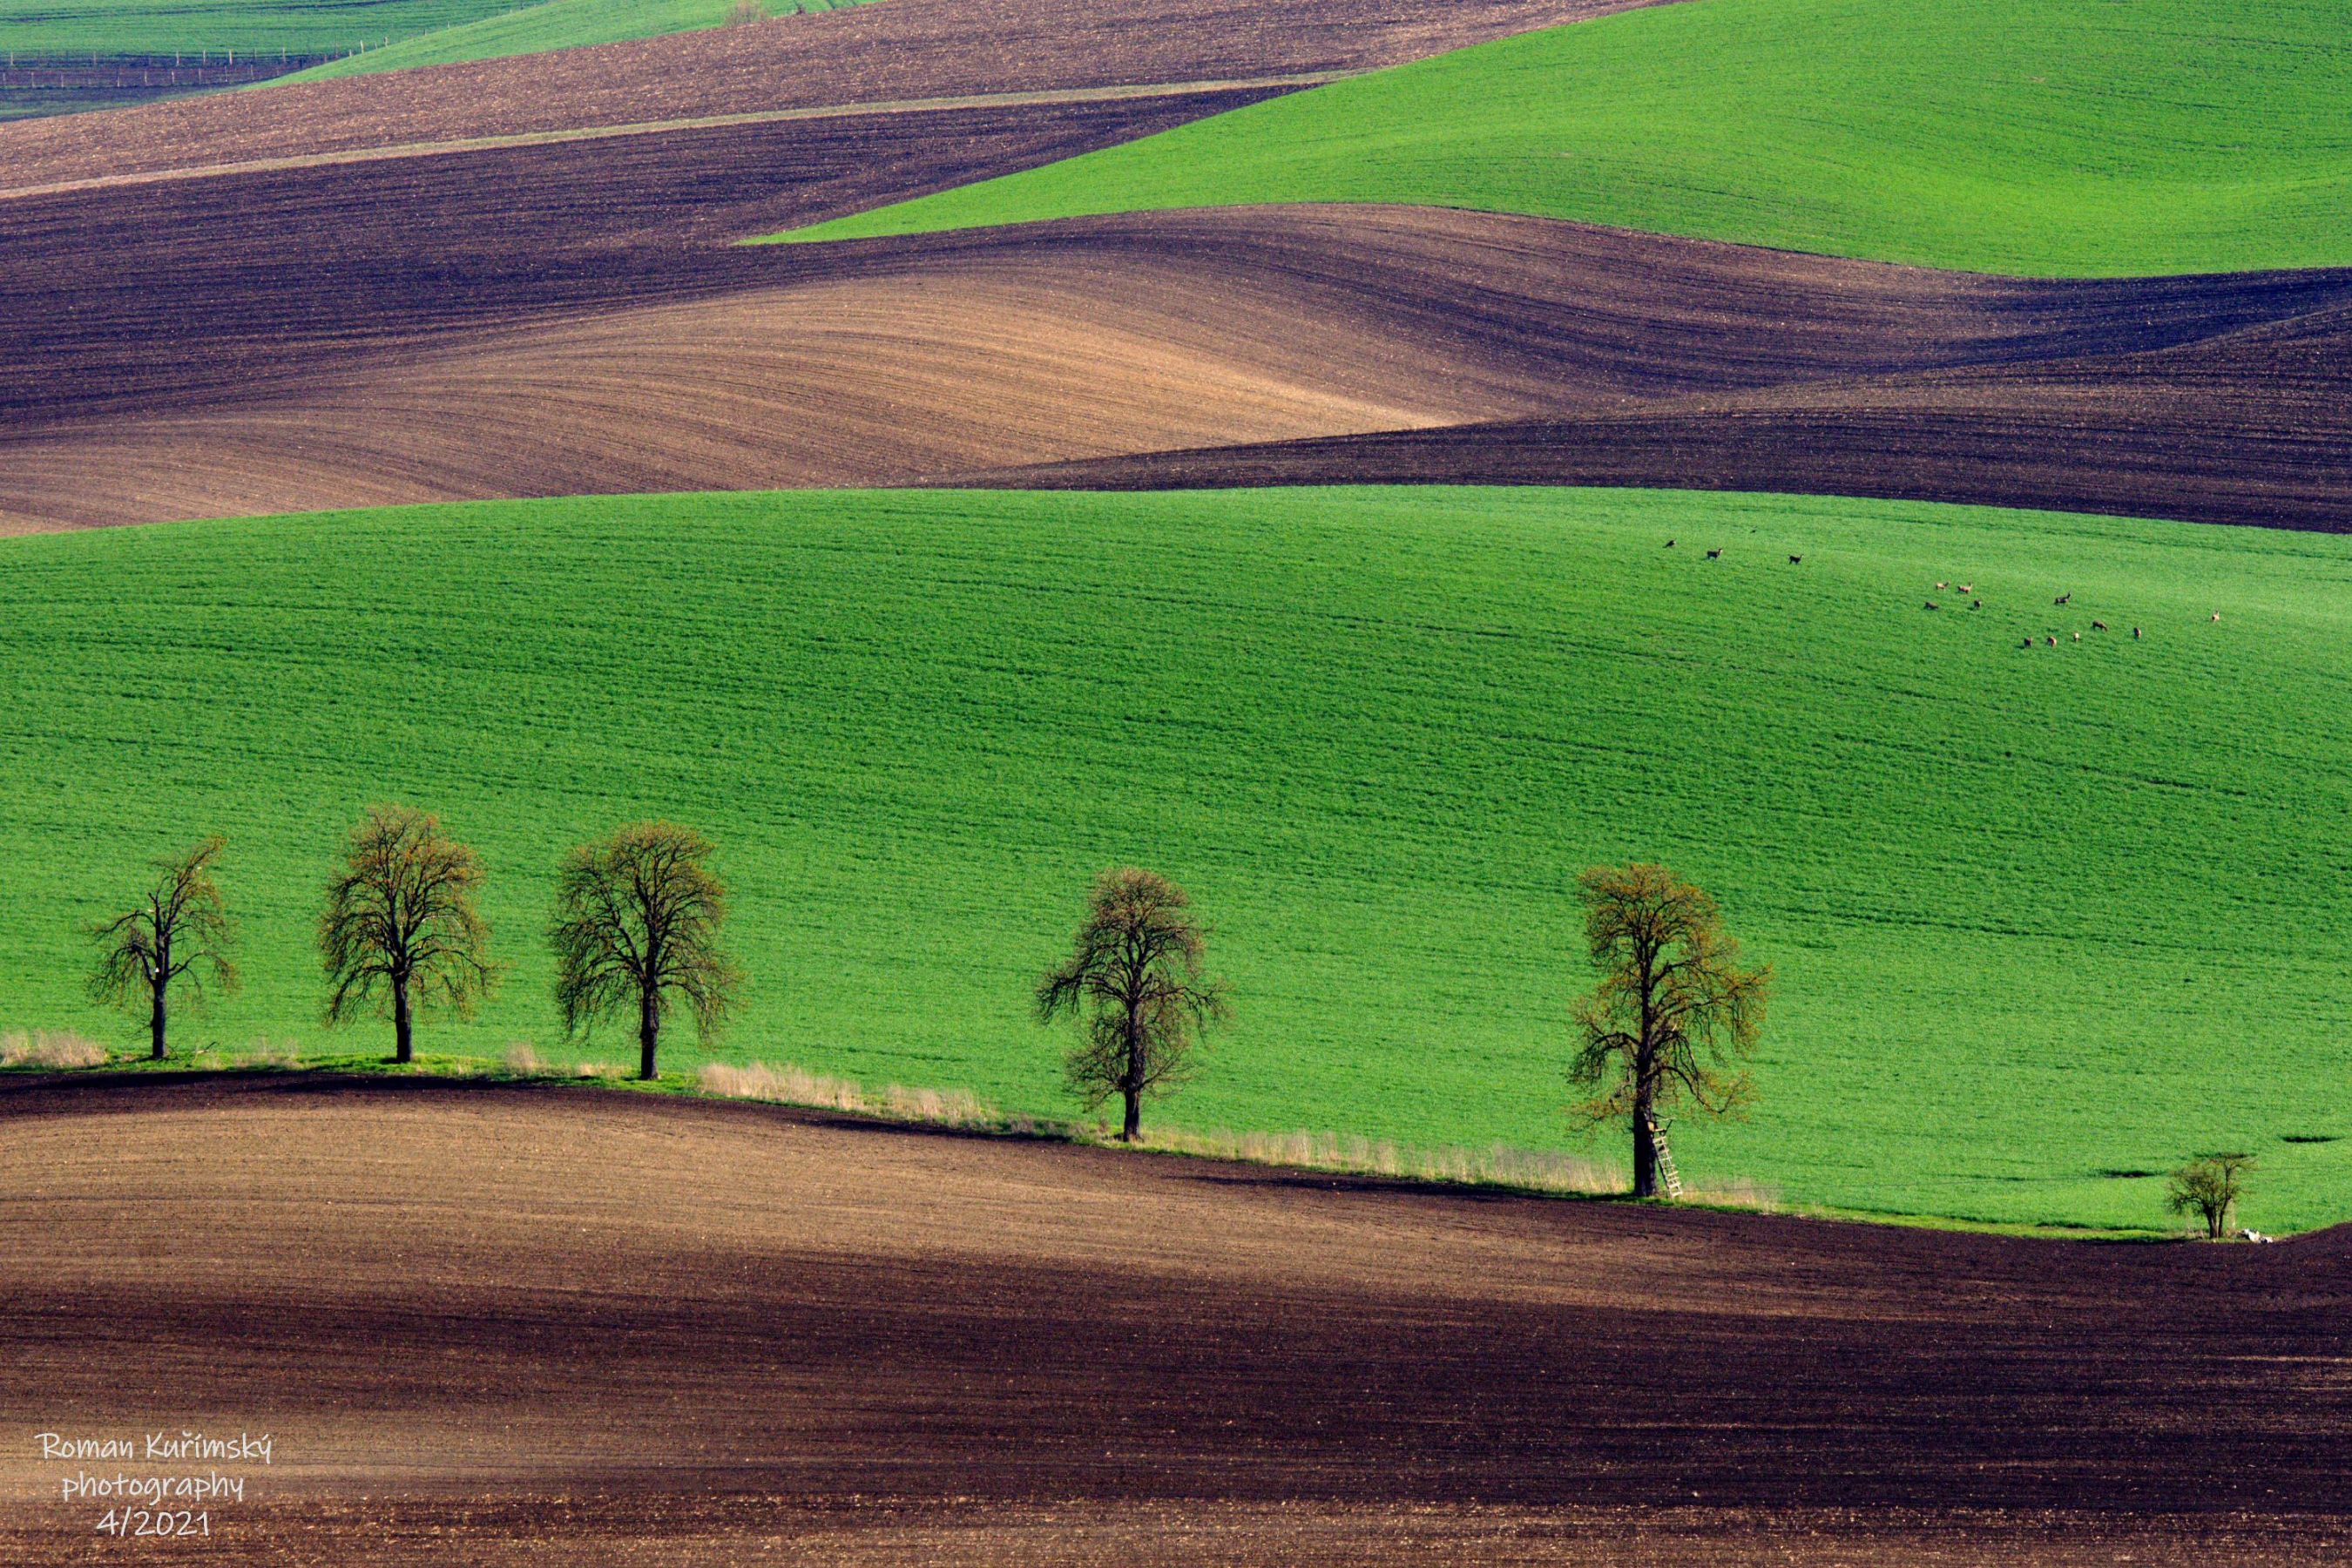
[609,1071]
[59,1049]
[746,11]
[522,1061]
[2210,1188]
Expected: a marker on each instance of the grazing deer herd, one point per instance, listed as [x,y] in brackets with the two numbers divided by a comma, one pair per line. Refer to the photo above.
[2051,640]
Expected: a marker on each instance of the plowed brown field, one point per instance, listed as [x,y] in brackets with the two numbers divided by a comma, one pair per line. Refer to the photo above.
[890,52]
[2251,427]
[569,317]
[488,1324]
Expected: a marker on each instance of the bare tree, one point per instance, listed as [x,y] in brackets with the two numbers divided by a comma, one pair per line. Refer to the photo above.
[2210,1187]
[1671,1012]
[400,920]
[179,931]
[636,920]
[1135,976]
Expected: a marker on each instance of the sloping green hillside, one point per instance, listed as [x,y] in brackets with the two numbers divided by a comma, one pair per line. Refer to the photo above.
[553,24]
[246,26]
[2058,137]
[2039,914]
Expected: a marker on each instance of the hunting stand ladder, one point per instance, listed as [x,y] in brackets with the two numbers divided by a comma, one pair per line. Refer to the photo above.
[1669,1179]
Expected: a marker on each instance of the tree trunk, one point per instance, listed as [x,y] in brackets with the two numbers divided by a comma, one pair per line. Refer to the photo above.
[156,1024]
[648,1031]
[404,1045]
[1645,1148]
[1131,1090]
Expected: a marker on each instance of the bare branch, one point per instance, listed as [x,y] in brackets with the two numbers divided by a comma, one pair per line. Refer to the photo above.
[179,931]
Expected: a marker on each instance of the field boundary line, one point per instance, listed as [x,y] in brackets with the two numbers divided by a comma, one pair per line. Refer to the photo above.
[658,127]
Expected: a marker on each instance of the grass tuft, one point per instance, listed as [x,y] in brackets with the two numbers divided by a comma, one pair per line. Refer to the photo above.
[58,1049]
[1498,1165]
[788,1085]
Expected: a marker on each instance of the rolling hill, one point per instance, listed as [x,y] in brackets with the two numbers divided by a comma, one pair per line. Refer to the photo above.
[2040,137]
[610,337]
[551,25]
[2046,919]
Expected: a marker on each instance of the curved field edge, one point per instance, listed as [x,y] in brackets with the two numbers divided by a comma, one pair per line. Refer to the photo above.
[550,26]
[959,1113]
[2025,904]
[2025,137]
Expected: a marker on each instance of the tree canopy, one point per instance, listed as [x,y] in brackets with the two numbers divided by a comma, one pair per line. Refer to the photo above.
[637,923]
[2209,1188]
[1674,1012]
[400,926]
[179,931]
[1136,978]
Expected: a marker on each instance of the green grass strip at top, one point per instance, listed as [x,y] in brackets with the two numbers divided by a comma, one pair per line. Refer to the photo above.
[2042,917]
[40,27]
[2034,137]
[553,24]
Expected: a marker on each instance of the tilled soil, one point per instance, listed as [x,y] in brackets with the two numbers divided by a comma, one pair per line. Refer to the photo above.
[571,318]
[481,1322]
[2250,430]
[893,51]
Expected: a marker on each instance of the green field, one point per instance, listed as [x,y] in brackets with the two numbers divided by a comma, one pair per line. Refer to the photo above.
[2038,915]
[248,27]
[2055,137]
[554,24]
[395,33]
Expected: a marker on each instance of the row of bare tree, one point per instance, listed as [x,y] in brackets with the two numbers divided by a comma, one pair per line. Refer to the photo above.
[637,929]
[1673,1015]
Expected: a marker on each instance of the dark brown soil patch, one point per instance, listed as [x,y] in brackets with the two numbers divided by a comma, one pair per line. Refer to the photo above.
[513,1314]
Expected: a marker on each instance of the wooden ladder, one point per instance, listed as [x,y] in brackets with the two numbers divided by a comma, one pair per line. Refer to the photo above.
[1669,1178]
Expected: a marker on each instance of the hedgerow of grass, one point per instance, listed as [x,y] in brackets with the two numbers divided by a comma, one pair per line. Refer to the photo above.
[2056,137]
